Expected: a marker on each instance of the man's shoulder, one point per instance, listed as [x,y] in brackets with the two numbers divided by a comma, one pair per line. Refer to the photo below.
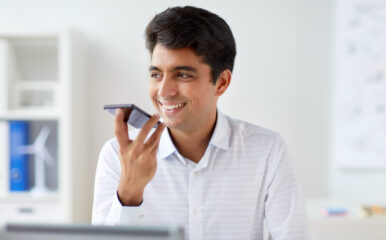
[247,129]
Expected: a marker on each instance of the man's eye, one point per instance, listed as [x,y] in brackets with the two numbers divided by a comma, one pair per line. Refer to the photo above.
[155,75]
[183,75]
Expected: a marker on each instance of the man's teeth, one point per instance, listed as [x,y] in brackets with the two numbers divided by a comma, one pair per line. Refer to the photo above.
[169,107]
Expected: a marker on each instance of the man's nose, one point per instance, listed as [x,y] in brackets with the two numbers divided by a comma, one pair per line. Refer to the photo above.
[168,87]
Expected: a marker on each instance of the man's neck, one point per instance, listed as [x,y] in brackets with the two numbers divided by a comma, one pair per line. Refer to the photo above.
[192,144]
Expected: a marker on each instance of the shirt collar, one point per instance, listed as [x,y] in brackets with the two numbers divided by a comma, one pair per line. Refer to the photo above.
[221,133]
[220,137]
[166,146]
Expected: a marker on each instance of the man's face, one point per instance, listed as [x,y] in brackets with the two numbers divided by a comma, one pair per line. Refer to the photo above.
[181,88]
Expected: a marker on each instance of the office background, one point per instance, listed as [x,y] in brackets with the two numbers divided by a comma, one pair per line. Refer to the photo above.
[283,76]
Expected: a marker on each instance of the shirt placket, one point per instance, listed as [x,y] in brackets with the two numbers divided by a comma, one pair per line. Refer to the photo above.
[196,184]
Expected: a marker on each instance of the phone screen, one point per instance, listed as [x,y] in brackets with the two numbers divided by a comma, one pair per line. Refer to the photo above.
[133,115]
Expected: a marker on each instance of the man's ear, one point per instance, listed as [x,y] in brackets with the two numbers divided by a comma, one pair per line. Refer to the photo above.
[223,81]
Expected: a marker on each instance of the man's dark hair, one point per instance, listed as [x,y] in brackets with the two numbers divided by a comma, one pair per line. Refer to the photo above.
[206,33]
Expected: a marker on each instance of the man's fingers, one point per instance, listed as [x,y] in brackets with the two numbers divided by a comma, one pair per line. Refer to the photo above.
[155,147]
[121,130]
[146,128]
[155,137]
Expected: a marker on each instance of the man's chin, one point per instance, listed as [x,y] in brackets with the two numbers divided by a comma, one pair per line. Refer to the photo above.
[171,124]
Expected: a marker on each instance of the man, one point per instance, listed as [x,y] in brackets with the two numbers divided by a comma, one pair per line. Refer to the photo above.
[216,176]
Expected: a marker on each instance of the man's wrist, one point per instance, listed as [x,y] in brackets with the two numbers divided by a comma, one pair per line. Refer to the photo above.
[128,198]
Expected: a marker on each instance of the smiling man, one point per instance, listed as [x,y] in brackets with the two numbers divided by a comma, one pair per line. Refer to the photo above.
[217,177]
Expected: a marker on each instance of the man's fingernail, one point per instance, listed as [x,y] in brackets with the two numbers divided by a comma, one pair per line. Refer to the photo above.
[156,115]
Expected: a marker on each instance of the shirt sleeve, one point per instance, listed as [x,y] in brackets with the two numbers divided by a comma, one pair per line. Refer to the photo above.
[285,213]
[107,209]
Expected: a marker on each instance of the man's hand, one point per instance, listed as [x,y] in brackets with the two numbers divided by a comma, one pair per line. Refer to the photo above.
[138,158]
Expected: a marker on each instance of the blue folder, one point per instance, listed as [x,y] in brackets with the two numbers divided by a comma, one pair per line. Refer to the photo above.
[18,136]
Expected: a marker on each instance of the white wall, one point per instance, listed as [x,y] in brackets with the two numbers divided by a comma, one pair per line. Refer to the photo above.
[282,76]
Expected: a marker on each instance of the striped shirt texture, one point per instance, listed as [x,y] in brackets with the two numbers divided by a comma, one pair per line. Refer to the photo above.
[244,178]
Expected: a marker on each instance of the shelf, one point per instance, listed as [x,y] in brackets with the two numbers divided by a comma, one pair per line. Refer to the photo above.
[30,114]
[347,228]
[27,33]
[46,86]
[37,85]
[28,197]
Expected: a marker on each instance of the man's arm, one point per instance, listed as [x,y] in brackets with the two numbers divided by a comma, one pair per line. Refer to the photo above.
[106,185]
[124,168]
[284,209]
[137,157]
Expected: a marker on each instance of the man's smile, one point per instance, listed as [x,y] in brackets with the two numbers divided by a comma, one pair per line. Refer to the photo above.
[170,107]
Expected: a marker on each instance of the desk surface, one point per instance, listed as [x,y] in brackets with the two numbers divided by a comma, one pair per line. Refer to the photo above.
[87,232]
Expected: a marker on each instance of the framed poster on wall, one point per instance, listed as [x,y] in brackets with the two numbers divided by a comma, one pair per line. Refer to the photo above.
[360,84]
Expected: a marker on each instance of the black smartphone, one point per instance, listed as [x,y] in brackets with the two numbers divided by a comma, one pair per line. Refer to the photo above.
[133,115]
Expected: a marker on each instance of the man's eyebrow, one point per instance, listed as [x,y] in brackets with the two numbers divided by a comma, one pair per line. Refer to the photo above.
[186,68]
[152,68]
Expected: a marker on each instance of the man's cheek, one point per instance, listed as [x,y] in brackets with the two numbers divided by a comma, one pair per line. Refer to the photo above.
[152,93]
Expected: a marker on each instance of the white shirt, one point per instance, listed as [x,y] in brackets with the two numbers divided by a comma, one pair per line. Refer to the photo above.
[244,177]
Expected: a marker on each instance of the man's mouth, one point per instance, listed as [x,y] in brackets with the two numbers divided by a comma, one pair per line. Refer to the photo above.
[171,107]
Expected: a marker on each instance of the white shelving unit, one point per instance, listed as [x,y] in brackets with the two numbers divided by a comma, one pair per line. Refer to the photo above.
[353,226]
[348,228]
[42,81]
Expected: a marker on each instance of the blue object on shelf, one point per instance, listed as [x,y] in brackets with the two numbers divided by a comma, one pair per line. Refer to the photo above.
[19,173]
[335,211]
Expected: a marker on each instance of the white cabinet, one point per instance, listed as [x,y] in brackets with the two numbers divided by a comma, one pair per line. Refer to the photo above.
[348,228]
[43,83]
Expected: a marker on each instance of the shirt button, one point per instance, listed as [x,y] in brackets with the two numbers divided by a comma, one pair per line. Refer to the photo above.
[140,216]
[195,172]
